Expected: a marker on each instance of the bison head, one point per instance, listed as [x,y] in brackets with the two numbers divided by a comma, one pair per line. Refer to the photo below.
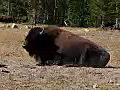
[31,39]
[40,43]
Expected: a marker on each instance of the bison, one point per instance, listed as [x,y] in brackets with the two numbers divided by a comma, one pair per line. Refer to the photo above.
[52,45]
[6,19]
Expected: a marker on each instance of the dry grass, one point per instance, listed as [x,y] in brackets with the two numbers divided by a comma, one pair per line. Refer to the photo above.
[11,41]
[25,75]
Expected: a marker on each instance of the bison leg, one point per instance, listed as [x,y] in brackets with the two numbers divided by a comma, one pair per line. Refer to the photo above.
[58,59]
[69,60]
[49,62]
[41,61]
[93,61]
[82,58]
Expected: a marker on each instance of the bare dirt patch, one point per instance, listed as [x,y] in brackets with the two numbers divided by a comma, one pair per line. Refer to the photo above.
[18,71]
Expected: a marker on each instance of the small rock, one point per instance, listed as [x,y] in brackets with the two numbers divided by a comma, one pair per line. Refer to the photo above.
[26,26]
[111,81]
[2,25]
[95,85]
[117,84]
[5,71]
[86,30]
[3,65]
[14,25]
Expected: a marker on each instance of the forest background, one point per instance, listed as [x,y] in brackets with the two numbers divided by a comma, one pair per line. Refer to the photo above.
[81,13]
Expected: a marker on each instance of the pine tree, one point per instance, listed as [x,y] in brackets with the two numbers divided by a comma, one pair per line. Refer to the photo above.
[104,12]
[78,12]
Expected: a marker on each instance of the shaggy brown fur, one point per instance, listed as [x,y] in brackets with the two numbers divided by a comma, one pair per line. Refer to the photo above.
[52,45]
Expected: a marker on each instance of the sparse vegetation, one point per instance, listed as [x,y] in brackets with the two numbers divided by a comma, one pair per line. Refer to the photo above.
[23,74]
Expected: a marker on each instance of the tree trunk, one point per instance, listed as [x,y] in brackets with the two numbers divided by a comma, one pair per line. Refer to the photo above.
[8,8]
[102,22]
[116,23]
[34,17]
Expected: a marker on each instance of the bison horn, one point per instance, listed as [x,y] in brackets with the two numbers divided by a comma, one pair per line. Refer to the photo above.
[42,32]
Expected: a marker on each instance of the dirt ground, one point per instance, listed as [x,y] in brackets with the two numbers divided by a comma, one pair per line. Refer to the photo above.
[18,71]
